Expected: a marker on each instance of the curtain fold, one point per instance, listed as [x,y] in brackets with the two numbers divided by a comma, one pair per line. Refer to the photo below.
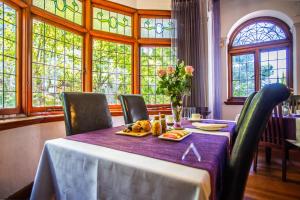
[216,68]
[190,42]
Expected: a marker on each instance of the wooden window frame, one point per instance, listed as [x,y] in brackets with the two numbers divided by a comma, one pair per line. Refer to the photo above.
[255,49]
[158,106]
[49,109]
[26,12]
[17,109]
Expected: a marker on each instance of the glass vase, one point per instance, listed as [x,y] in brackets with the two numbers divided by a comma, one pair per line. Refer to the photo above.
[177,109]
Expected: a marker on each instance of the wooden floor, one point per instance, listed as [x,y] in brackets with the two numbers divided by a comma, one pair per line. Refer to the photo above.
[266,182]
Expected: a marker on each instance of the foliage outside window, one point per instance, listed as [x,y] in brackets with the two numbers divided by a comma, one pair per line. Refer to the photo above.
[67,9]
[273,66]
[56,64]
[153,58]
[112,22]
[259,54]
[112,63]
[243,75]
[8,56]
[157,28]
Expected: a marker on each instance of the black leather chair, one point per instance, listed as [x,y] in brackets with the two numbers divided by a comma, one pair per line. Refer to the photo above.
[253,125]
[242,115]
[134,108]
[85,112]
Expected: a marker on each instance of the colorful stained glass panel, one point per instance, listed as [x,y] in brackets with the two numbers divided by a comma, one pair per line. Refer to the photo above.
[105,20]
[68,9]
[56,64]
[258,33]
[157,28]
[112,64]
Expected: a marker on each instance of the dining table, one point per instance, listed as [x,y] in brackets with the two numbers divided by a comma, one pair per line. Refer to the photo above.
[291,124]
[104,165]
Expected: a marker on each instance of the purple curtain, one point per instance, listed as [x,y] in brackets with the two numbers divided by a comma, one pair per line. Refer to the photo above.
[190,42]
[216,60]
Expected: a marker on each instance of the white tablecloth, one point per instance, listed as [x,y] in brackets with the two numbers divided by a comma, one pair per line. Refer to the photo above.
[75,170]
[297,141]
[298,130]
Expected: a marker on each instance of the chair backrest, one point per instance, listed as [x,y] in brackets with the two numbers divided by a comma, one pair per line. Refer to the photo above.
[134,108]
[294,102]
[249,134]
[274,132]
[85,112]
[243,113]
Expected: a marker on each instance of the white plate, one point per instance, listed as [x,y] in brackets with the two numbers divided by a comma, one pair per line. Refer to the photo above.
[209,127]
[134,134]
[177,140]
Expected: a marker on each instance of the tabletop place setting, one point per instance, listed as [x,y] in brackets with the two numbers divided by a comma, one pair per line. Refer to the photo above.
[149,99]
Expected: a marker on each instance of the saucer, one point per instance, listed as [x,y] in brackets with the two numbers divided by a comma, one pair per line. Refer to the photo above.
[194,120]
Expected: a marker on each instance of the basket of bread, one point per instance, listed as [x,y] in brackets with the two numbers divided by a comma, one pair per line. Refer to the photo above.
[138,129]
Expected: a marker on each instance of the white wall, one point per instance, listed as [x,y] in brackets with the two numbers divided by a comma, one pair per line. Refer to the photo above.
[146,4]
[154,4]
[20,150]
[235,12]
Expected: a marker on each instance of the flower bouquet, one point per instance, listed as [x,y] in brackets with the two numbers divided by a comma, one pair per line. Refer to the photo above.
[175,82]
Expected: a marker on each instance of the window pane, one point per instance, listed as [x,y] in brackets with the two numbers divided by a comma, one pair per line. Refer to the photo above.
[157,28]
[67,9]
[8,56]
[259,32]
[112,22]
[56,64]
[243,75]
[153,58]
[274,68]
[112,69]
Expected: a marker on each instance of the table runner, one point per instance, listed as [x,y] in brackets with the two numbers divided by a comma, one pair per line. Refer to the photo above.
[213,150]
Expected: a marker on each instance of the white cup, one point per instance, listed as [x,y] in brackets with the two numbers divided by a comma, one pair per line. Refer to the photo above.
[196,116]
[298,112]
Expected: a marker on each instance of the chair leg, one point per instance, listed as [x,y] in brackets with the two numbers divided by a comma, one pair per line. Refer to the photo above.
[287,155]
[268,152]
[285,152]
[255,161]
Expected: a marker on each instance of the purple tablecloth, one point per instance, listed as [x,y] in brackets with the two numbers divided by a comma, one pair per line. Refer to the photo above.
[213,150]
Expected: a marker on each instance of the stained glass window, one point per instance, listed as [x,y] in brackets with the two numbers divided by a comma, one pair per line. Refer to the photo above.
[153,58]
[259,32]
[273,66]
[68,9]
[157,28]
[56,64]
[243,78]
[8,56]
[112,63]
[112,22]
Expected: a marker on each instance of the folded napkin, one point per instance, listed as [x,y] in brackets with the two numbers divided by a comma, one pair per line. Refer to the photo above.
[208,126]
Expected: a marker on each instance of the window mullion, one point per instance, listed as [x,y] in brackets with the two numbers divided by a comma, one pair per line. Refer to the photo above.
[257,69]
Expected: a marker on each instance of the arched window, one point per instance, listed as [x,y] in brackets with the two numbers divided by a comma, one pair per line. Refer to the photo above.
[260,53]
